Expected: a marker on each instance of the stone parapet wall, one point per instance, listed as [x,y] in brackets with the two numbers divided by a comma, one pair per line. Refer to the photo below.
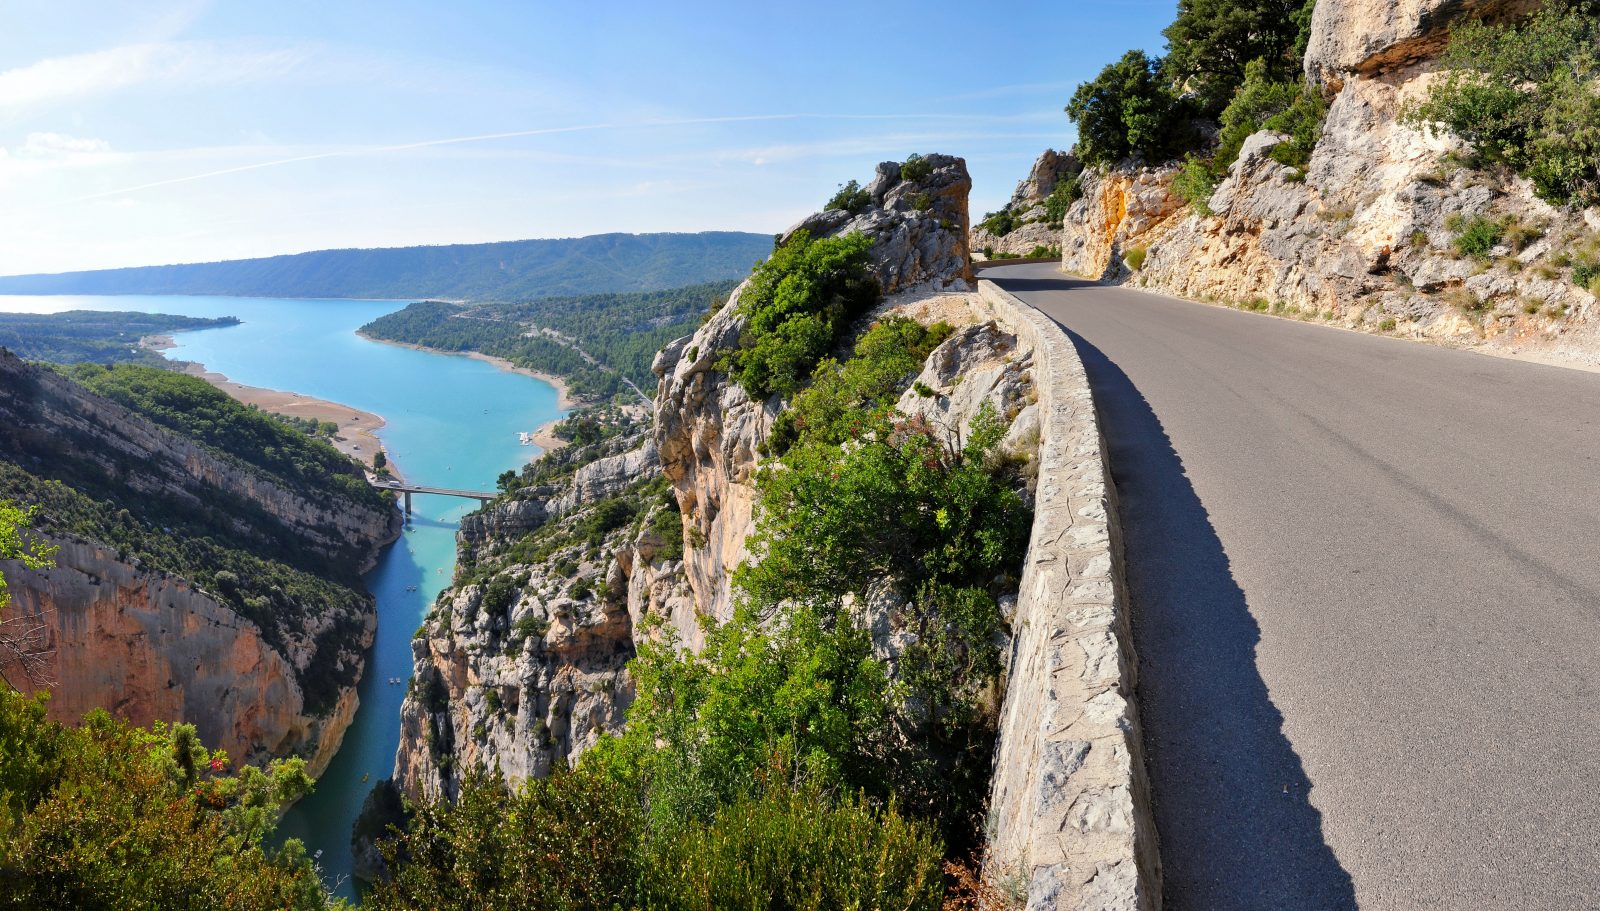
[1069,821]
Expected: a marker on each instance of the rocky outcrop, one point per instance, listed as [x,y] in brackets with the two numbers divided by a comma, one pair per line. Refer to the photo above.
[917,218]
[708,431]
[1029,226]
[1381,38]
[150,645]
[1364,237]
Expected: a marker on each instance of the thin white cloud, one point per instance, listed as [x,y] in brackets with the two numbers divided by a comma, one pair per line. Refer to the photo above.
[360,151]
[59,145]
[183,64]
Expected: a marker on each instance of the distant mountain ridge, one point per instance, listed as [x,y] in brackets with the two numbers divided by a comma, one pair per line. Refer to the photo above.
[507,270]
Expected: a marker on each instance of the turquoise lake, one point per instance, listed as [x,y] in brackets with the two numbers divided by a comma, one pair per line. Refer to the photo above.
[451,422]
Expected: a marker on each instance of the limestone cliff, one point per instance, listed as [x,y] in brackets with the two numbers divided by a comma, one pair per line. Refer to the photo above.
[522,663]
[709,432]
[259,670]
[1363,238]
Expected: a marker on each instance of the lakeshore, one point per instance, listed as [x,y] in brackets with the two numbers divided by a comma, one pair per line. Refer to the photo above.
[357,436]
[564,397]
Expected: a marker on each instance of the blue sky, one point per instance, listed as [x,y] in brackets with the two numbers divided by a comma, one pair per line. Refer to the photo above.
[140,131]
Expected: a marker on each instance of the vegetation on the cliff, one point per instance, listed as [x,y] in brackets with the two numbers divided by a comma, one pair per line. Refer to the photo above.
[579,841]
[1523,94]
[24,645]
[1291,107]
[1232,61]
[198,410]
[76,336]
[622,332]
[106,815]
[796,305]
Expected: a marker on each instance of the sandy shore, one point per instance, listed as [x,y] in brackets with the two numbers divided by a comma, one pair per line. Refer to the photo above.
[545,437]
[564,399]
[357,436]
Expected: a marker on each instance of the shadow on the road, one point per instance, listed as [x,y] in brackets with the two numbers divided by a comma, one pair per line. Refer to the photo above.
[1231,796]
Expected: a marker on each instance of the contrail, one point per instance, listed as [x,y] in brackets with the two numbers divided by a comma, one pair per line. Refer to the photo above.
[485,137]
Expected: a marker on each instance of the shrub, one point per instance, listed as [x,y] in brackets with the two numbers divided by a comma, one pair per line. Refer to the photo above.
[851,198]
[795,305]
[1584,274]
[1195,183]
[999,223]
[1129,109]
[1068,190]
[107,815]
[1135,258]
[1475,237]
[921,202]
[1522,94]
[568,841]
[1386,325]
[791,849]
[916,168]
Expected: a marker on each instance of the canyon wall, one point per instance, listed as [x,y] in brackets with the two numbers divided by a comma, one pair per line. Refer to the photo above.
[147,644]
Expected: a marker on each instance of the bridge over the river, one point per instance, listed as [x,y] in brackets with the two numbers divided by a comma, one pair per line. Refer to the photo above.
[407,490]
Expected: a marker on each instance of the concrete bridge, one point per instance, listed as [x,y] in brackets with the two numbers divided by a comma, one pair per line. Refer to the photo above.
[407,490]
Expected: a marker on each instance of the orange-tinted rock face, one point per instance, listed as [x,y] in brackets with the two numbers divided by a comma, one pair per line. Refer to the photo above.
[148,647]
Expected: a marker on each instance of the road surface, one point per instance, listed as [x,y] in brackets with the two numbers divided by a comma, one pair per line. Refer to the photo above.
[1365,576]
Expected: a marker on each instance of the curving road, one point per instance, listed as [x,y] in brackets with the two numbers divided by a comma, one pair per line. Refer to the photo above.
[1366,598]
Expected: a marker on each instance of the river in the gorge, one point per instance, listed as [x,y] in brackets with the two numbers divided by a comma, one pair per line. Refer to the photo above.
[452,422]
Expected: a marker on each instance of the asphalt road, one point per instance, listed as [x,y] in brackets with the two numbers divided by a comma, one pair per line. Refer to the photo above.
[1366,599]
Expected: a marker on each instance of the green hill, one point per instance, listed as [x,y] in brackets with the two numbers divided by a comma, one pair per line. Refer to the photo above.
[511,270]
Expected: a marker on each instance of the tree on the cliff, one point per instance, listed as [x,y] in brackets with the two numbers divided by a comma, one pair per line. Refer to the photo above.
[1211,42]
[1130,109]
[24,645]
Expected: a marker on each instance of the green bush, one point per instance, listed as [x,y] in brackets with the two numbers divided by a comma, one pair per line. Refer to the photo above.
[581,841]
[1135,258]
[851,198]
[1067,191]
[107,815]
[1000,223]
[1195,182]
[568,841]
[795,306]
[791,849]
[916,168]
[1523,94]
[1130,109]
[1475,237]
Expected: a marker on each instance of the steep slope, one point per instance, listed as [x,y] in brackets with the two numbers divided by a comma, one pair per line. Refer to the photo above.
[499,271]
[217,584]
[522,663]
[1369,236]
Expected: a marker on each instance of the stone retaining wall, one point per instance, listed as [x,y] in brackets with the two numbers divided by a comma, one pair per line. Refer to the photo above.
[1069,823]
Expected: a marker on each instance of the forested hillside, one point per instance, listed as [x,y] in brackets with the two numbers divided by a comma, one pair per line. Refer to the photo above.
[76,336]
[621,332]
[506,271]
